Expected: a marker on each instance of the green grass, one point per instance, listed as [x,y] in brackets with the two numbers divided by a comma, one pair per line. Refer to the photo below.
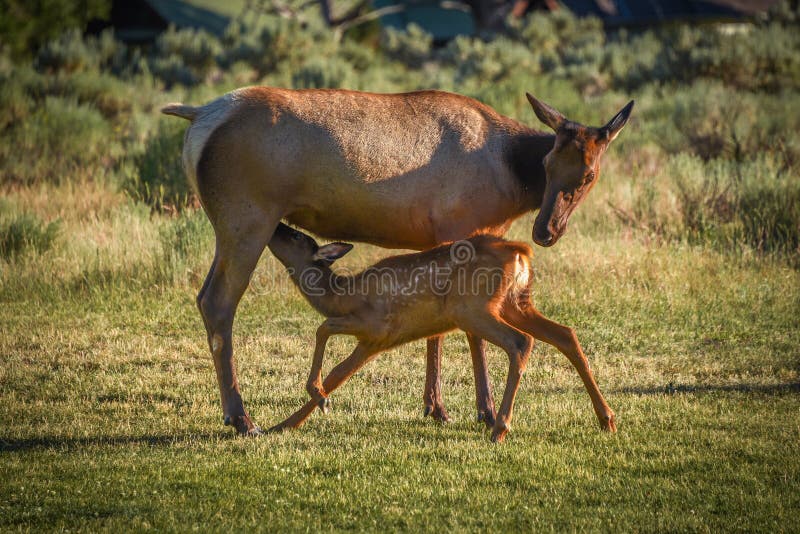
[111,418]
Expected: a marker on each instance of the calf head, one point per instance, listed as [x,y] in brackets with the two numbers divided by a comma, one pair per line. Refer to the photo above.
[298,251]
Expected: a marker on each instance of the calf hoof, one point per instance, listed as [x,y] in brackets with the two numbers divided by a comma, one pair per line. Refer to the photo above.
[437,412]
[609,423]
[500,431]
[324,405]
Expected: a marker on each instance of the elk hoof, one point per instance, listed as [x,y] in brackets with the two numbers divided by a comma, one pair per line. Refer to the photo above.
[608,423]
[324,405]
[254,432]
[499,432]
[438,413]
[243,425]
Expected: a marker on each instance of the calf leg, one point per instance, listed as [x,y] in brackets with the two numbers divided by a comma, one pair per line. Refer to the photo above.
[531,321]
[518,347]
[330,327]
[338,376]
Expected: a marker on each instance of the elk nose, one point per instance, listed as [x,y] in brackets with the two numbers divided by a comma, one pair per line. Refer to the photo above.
[544,241]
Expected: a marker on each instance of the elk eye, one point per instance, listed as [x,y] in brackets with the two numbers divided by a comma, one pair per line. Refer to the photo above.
[296,236]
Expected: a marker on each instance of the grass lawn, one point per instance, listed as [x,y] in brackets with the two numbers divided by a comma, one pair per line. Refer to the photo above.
[111,418]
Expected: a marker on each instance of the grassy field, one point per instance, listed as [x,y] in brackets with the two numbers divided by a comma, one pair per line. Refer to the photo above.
[111,417]
[680,274]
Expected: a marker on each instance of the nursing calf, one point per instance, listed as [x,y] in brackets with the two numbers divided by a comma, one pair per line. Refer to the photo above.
[480,285]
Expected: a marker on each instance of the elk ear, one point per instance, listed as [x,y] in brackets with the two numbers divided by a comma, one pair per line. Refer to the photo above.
[546,114]
[332,252]
[615,125]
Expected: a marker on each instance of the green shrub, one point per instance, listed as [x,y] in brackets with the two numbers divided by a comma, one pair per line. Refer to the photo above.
[479,62]
[72,52]
[324,72]
[25,232]
[15,103]
[185,56]
[274,42]
[159,179]
[26,25]
[110,95]
[412,46]
[53,140]
[729,206]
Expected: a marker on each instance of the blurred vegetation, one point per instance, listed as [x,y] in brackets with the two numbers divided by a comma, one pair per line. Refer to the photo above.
[711,157]
[22,232]
[27,24]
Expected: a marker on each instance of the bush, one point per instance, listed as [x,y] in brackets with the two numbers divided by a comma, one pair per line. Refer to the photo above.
[481,63]
[23,232]
[726,205]
[159,180]
[412,46]
[185,57]
[25,26]
[72,52]
[53,140]
[15,104]
[273,43]
[324,72]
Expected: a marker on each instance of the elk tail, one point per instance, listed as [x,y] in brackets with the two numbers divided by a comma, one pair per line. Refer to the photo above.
[180,110]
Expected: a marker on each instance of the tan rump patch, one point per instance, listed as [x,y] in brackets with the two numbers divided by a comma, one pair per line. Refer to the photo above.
[522,271]
[209,117]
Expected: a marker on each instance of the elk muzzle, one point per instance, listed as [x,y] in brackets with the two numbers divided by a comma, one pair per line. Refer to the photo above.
[551,222]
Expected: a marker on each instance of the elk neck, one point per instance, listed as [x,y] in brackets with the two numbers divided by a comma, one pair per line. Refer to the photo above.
[525,156]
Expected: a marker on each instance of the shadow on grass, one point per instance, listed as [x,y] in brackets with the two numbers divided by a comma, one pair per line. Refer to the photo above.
[51,442]
[673,389]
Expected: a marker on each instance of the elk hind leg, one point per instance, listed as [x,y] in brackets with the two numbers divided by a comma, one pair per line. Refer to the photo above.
[235,260]
[530,320]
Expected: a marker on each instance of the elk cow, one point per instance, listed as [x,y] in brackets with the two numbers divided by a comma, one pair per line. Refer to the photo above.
[409,170]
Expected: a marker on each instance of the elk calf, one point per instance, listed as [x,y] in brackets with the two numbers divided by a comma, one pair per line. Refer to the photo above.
[480,285]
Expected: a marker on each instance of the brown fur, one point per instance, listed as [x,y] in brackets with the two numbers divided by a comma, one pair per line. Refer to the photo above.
[408,170]
[485,295]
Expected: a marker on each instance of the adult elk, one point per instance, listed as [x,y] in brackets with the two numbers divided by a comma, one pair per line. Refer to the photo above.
[409,170]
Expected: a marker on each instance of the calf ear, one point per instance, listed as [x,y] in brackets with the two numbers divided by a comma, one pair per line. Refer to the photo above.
[332,251]
[549,116]
[615,125]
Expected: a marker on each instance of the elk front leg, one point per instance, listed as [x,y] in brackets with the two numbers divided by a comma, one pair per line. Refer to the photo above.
[338,375]
[314,386]
[432,396]
[484,401]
